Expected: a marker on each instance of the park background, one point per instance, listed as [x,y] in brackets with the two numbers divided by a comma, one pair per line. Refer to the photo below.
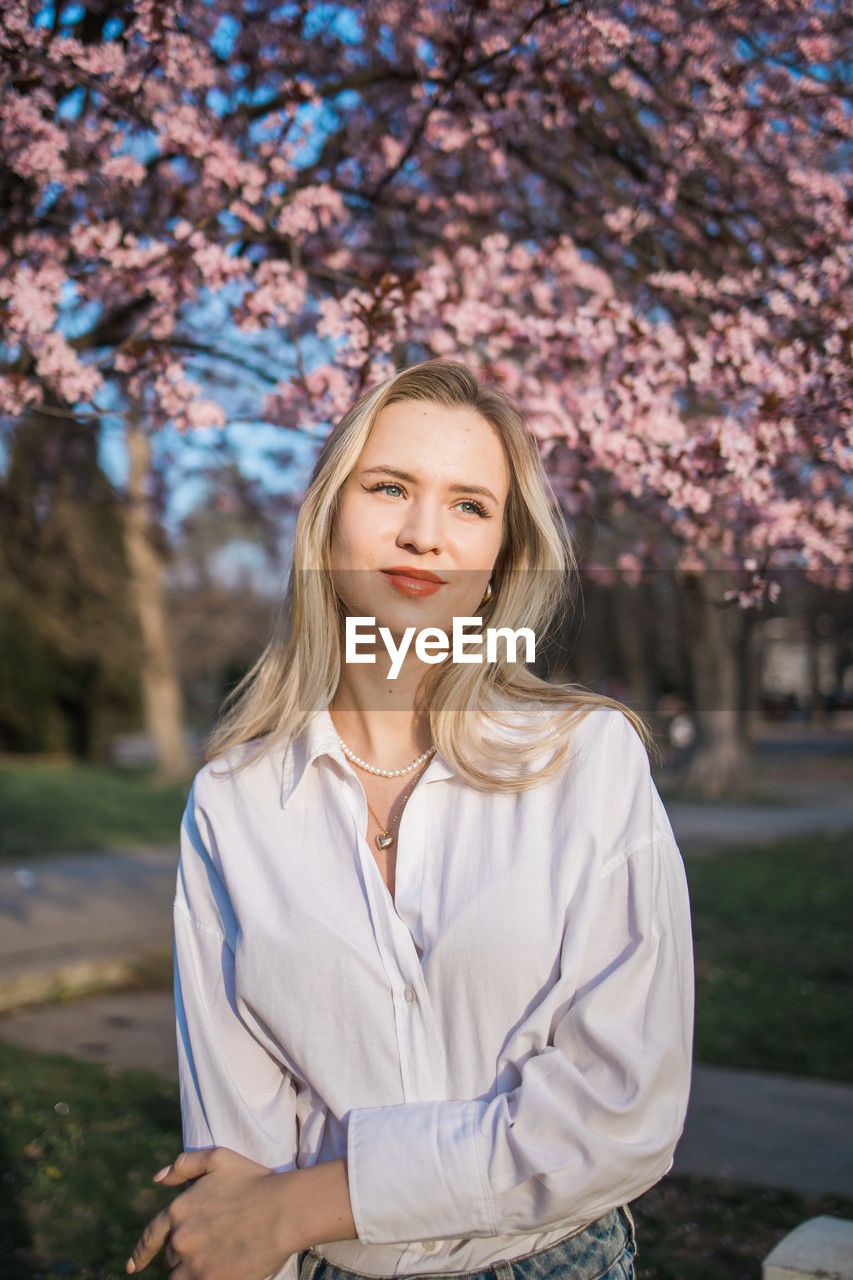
[218,223]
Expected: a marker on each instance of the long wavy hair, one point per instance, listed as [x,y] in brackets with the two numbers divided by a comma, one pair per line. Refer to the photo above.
[493,722]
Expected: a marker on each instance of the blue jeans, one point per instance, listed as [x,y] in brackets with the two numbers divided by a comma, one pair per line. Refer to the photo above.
[602,1251]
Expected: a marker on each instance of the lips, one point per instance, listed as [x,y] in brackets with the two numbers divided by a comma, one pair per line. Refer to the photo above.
[407,571]
[412,582]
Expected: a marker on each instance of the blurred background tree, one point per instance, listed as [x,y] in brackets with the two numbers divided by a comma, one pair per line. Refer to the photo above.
[68,644]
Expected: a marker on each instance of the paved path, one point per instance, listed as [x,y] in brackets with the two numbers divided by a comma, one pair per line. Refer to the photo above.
[126,1029]
[770,1130]
[703,826]
[743,1126]
[69,922]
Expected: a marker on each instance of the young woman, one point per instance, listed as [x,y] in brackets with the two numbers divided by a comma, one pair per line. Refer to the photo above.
[433,968]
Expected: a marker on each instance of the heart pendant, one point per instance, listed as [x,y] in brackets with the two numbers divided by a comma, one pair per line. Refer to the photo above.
[384,840]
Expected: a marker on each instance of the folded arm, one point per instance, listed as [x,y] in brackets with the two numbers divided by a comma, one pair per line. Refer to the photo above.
[596,1116]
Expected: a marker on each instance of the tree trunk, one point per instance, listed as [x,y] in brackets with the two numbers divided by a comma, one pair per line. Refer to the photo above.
[630,622]
[749,656]
[161,691]
[719,761]
[816,701]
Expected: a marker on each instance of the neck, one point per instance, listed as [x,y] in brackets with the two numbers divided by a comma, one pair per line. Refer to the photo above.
[376,717]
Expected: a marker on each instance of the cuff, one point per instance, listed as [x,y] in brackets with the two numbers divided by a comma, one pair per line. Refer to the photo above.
[417,1171]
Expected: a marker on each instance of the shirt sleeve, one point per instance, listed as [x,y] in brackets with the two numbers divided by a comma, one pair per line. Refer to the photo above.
[233,1092]
[597,1114]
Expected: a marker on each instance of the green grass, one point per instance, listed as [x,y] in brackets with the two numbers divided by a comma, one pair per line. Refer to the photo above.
[58,807]
[774,965]
[79,1143]
[706,1229]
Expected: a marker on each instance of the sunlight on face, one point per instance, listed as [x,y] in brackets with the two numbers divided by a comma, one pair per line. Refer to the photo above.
[428,492]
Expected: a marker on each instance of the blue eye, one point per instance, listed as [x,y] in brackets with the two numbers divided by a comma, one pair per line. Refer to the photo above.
[477,507]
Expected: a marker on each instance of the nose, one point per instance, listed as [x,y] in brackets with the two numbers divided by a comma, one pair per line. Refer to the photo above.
[421,530]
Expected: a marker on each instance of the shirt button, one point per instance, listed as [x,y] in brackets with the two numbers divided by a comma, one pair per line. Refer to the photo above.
[429,1246]
[409,995]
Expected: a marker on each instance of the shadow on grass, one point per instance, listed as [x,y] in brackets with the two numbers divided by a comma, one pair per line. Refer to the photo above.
[707,1229]
[15,1234]
[83,1143]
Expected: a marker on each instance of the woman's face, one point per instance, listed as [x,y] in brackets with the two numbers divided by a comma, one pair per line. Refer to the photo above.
[427,493]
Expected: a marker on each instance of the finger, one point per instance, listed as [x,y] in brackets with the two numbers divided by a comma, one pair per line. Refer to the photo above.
[188,1165]
[150,1242]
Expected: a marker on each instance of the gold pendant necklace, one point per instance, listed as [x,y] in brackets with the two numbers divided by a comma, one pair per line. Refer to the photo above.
[384,837]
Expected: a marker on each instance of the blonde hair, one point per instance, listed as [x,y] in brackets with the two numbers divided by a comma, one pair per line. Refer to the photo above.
[535,577]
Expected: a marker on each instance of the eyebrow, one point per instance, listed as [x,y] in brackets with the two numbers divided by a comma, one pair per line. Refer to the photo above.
[454,488]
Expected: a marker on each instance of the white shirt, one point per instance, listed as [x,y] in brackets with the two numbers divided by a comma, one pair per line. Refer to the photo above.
[524,1075]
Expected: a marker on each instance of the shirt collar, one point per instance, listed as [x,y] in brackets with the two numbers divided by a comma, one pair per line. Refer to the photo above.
[320,738]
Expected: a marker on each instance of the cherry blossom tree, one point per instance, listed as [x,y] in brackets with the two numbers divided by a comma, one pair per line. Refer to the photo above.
[637,216]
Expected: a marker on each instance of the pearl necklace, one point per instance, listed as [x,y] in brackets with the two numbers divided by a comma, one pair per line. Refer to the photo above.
[385,773]
[384,837]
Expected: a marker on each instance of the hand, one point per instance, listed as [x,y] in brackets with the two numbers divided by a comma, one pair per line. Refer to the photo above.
[230,1224]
